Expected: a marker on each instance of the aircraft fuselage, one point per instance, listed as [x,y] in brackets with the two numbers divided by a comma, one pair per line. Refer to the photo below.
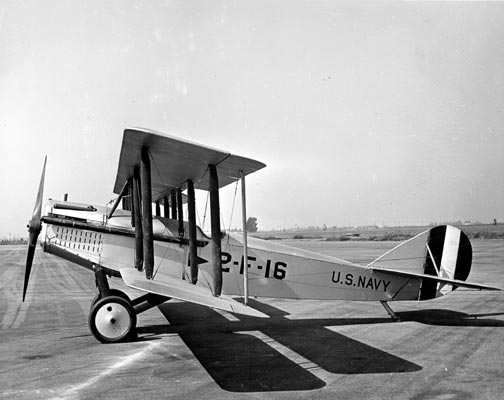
[83,234]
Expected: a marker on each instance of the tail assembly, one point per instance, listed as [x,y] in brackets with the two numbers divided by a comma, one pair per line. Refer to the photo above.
[440,257]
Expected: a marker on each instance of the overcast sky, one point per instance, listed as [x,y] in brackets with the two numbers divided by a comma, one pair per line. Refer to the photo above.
[365,113]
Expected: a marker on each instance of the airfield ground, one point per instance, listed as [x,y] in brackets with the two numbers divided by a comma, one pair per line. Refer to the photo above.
[449,348]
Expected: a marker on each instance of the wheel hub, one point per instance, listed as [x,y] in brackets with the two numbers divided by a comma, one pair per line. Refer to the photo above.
[113,320]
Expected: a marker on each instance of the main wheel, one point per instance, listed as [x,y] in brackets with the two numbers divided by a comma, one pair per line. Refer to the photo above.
[113,292]
[112,319]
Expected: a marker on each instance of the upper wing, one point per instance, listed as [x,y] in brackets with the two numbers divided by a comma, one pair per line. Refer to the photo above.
[178,289]
[174,161]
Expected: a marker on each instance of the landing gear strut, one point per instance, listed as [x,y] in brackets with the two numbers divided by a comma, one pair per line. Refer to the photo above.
[390,312]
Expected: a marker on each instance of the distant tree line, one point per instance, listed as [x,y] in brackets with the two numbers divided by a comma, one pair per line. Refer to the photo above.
[251,225]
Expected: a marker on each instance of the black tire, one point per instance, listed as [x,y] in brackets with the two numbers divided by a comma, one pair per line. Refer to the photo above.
[94,301]
[113,292]
[112,319]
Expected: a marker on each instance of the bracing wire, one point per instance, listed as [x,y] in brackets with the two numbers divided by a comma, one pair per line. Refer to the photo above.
[205,212]
[233,206]
[232,212]
[157,169]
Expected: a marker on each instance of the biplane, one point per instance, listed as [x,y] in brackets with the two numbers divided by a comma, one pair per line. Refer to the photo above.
[153,248]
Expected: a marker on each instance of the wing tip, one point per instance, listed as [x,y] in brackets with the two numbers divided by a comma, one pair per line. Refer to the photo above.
[247,310]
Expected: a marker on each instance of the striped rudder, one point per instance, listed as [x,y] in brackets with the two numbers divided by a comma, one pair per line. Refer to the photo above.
[449,255]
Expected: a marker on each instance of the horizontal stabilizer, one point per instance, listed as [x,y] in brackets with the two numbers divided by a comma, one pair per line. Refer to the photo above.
[181,290]
[454,282]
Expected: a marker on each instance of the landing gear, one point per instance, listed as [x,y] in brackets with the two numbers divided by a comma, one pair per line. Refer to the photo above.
[112,319]
[113,316]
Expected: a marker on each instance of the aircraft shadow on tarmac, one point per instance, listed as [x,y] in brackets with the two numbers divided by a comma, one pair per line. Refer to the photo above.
[450,318]
[241,362]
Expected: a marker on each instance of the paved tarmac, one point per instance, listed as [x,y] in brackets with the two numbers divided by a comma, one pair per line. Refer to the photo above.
[448,348]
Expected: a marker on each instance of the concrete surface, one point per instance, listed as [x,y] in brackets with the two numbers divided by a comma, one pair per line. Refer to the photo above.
[441,349]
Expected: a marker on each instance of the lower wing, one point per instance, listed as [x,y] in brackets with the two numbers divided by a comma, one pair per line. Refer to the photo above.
[181,290]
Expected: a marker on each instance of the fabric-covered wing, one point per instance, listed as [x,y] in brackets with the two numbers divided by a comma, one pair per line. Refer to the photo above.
[174,161]
[181,290]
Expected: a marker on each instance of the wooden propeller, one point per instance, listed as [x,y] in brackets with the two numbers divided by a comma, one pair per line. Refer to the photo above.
[34,228]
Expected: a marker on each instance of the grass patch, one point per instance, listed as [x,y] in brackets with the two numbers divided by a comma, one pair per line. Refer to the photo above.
[341,238]
[486,235]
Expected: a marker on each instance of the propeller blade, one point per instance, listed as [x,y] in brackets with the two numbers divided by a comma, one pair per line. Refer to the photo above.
[35,223]
[32,243]
[34,228]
